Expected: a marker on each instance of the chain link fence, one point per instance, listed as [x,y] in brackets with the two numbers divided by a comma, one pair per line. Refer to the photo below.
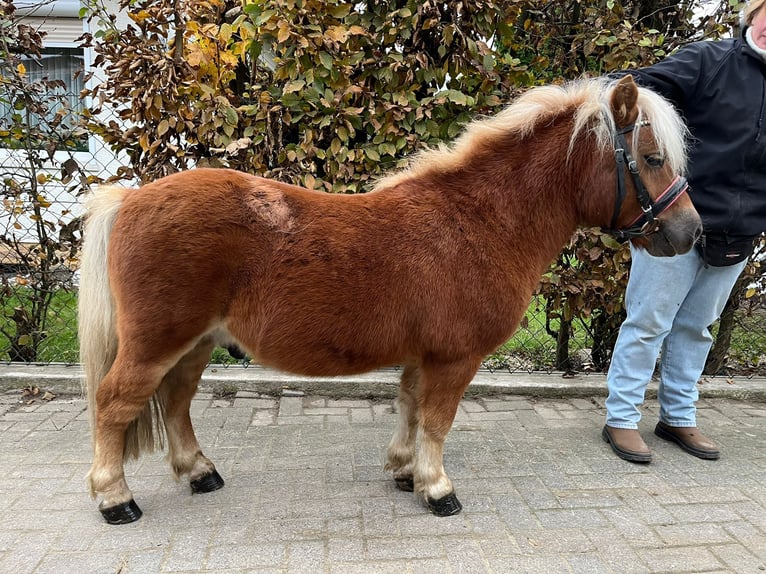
[39,246]
[39,283]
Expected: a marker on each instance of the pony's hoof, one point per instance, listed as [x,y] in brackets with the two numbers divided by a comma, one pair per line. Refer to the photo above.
[207,483]
[405,483]
[124,513]
[445,506]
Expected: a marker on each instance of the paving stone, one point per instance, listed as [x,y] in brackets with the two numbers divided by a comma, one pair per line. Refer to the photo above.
[550,564]
[92,563]
[350,404]
[739,558]
[684,560]
[305,492]
[361,415]
[246,556]
[404,547]
[588,564]
[380,567]
[308,557]
[254,402]
[704,512]
[185,553]
[290,406]
[571,518]
[692,534]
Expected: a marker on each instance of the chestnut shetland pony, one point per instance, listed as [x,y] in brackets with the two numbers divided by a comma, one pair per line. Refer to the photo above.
[432,270]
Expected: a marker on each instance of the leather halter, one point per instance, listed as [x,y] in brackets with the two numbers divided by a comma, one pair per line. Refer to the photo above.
[646,223]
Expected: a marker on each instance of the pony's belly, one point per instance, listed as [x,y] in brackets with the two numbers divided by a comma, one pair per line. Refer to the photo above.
[304,354]
[322,363]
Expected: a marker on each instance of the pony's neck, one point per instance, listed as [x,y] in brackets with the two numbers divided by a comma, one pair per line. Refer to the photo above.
[528,189]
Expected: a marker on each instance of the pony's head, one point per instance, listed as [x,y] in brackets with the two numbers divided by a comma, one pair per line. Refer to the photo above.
[608,153]
[651,206]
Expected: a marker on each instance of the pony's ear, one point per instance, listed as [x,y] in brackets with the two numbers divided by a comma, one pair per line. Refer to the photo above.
[624,102]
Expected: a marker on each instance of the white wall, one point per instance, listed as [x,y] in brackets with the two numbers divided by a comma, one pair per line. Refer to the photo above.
[61,21]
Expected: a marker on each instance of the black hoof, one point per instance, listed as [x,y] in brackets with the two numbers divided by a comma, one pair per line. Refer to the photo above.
[405,483]
[445,506]
[122,513]
[207,483]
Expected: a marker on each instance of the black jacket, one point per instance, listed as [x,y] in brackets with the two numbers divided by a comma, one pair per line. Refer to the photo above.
[720,89]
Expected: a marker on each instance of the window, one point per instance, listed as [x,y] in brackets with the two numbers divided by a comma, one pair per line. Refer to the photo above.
[63,67]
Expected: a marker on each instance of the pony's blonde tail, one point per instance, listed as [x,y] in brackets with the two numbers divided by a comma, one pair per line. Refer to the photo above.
[96,329]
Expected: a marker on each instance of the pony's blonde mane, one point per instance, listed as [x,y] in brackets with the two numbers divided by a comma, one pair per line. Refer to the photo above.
[589,98]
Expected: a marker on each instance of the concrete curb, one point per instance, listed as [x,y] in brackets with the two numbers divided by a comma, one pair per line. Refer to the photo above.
[66,379]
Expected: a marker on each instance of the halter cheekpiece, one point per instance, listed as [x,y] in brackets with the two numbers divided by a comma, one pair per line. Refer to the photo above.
[646,223]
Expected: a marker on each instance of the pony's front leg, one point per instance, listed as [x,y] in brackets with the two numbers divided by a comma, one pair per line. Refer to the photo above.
[176,393]
[400,457]
[442,387]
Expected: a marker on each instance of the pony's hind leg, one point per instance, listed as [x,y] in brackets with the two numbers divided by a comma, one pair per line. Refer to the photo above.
[122,396]
[176,393]
[441,388]
[400,457]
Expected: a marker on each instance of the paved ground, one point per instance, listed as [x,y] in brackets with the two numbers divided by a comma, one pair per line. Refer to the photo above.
[305,492]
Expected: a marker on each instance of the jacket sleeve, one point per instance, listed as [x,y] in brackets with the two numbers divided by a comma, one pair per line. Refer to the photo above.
[677,77]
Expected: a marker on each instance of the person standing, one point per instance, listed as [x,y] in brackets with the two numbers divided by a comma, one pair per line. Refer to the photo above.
[720,89]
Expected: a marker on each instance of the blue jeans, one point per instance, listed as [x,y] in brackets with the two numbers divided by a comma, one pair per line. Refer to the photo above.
[670,303]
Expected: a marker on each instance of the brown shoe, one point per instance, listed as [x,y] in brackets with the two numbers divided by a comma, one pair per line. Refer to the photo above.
[627,444]
[690,439]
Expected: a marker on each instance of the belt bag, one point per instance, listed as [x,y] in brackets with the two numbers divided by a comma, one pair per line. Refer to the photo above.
[719,250]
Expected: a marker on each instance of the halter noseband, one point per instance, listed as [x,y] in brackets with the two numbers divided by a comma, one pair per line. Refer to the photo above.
[646,223]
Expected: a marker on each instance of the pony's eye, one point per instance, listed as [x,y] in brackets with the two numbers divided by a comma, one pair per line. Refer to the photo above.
[654,160]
